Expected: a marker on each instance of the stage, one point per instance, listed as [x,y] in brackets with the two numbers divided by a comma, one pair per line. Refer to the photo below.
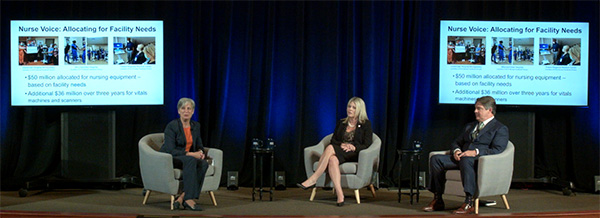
[292,202]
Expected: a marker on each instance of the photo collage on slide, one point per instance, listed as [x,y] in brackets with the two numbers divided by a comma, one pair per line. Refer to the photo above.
[77,50]
[471,50]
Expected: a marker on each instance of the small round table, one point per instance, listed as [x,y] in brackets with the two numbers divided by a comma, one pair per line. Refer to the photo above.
[261,152]
[415,157]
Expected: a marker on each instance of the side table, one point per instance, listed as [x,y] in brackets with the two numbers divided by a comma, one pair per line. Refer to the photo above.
[414,158]
[261,153]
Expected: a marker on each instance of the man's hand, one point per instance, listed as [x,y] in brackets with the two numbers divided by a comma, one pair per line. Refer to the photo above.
[469,153]
[457,154]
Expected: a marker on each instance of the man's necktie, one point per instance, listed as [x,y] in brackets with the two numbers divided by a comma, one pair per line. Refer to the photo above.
[476,132]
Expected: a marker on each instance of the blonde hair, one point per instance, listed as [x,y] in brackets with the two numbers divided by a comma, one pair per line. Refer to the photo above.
[361,109]
[575,53]
[149,51]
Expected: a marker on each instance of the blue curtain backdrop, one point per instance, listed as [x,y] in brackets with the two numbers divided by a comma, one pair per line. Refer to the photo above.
[286,70]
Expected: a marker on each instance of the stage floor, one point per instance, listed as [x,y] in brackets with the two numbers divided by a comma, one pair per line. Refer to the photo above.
[292,202]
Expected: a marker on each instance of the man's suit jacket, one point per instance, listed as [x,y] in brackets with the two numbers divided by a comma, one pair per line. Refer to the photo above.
[175,138]
[492,139]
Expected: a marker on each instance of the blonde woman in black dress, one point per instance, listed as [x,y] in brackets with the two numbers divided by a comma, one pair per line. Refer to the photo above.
[352,134]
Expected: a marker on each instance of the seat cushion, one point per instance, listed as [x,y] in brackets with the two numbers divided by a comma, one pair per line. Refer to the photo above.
[453,175]
[209,172]
[345,168]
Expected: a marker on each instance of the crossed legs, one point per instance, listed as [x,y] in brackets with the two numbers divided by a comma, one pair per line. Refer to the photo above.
[328,160]
[336,177]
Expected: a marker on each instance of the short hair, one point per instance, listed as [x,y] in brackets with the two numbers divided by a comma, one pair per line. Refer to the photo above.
[184,101]
[487,102]
[361,109]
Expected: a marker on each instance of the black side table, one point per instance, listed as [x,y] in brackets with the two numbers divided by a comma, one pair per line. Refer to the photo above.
[261,153]
[415,156]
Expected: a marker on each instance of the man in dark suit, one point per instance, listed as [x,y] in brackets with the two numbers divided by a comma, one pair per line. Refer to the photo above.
[486,136]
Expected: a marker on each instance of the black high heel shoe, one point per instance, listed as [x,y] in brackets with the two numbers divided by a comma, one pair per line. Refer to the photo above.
[339,204]
[304,187]
[195,208]
[176,205]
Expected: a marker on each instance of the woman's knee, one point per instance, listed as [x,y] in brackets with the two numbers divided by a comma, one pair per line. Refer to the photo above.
[333,161]
[329,150]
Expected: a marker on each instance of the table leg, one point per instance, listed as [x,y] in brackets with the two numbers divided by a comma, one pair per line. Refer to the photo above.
[412,177]
[418,170]
[253,175]
[260,192]
[272,174]
[400,178]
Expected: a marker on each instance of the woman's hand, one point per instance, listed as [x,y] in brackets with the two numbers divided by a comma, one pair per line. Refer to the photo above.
[196,154]
[347,147]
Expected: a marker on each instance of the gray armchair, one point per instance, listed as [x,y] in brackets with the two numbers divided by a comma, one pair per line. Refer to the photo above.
[159,175]
[494,175]
[355,175]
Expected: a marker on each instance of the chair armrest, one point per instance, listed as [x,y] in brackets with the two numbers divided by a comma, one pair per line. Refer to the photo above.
[495,172]
[368,159]
[154,160]
[313,153]
[156,169]
[217,160]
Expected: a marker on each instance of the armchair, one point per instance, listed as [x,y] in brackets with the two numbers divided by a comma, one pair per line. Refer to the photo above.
[159,175]
[494,175]
[355,175]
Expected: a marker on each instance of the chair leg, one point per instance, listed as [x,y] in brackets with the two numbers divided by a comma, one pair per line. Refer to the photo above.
[476,205]
[505,202]
[212,197]
[372,188]
[172,201]
[357,194]
[146,197]
[313,193]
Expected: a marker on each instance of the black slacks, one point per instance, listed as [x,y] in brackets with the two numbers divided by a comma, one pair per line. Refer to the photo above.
[438,166]
[194,171]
